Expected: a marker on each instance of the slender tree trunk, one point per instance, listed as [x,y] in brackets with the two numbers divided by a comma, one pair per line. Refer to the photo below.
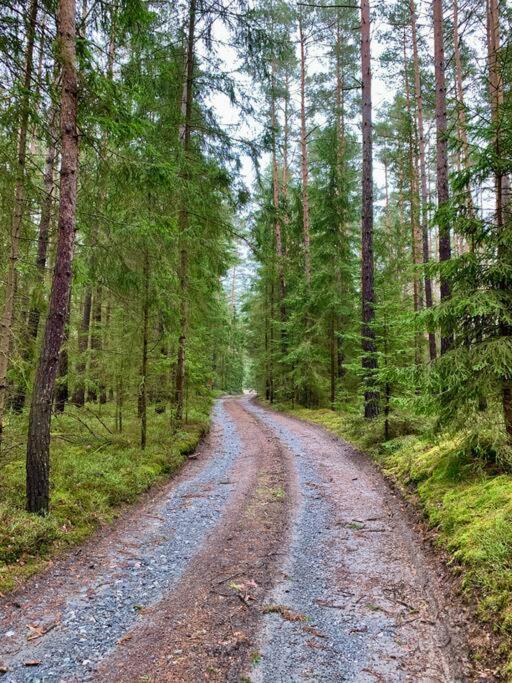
[461,106]
[332,353]
[416,236]
[7,316]
[83,343]
[95,342]
[304,157]
[442,161]
[277,219]
[369,360]
[143,391]
[423,175]
[34,314]
[62,388]
[45,220]
[38,445]
[185,132]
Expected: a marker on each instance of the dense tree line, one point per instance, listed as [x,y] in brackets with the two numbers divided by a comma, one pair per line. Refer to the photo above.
[395,299]
[118,196]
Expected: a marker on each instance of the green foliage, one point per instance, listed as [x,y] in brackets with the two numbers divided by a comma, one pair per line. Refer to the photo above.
[95,471]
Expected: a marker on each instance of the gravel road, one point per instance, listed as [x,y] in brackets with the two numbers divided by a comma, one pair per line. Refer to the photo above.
[278,555]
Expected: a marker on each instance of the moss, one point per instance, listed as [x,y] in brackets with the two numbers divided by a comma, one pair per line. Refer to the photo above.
[465,500]
[94,471]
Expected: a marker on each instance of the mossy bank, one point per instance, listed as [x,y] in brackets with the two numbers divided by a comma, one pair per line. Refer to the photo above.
[95,470]
[466,500]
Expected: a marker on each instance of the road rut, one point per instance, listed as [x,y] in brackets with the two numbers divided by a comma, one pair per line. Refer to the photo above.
[279,554]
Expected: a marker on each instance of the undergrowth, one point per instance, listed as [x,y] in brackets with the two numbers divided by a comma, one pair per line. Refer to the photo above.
[466,496]
[94,471]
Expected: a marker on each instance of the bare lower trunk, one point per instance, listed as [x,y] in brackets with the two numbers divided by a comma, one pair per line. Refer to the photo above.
[442,161]
[143,391]
[182,340]
[44,221]
[83,342]
[6,319]
[95,341]
[38,445]
[423,176]
[277,219]
[185,134]
[416,237]
[369,360]
[62,388]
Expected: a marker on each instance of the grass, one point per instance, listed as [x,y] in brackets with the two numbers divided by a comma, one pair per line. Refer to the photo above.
[466,499]
[94,472]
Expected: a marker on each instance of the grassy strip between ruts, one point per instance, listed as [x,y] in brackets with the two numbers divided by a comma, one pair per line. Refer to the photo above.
[468,504]
[94,472]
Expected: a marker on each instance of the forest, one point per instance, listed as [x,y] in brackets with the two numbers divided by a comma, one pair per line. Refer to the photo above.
[309,201]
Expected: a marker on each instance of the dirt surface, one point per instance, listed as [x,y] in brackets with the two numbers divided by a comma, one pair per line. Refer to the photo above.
[278,554]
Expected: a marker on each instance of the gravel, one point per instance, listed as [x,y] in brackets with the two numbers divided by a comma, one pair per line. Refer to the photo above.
[342,625]
[288,651]
[143,565]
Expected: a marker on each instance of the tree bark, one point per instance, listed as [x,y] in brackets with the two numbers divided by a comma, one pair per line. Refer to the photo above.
[304,157]
[143,391]
[185,134]
[442,162]
[83,342]
[416,236]
[369,360]
[277,220]
[6,319]
[32,325]
[62,388]
[423,175]
[38,445]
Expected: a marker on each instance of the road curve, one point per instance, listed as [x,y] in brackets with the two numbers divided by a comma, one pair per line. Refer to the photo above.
[279,554]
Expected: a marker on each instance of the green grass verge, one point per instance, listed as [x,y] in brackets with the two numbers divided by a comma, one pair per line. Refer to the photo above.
[94,472]
[464,499]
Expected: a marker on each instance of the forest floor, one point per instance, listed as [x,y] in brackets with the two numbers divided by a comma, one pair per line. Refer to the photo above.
[279,553]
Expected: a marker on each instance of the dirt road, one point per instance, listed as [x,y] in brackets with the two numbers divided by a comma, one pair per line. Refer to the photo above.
[279,554]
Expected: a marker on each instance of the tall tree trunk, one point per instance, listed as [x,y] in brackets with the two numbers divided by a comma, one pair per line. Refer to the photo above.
[461,106]
[304,157]
[62,388]
[442,161]
[6,319]
[277,219]
[423,175]
[95,341]
[38,445]
[369,360]
[143,391]
[416,236]
[83,343]
[332,354]
[45,219]
[185,134]
[277,226]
